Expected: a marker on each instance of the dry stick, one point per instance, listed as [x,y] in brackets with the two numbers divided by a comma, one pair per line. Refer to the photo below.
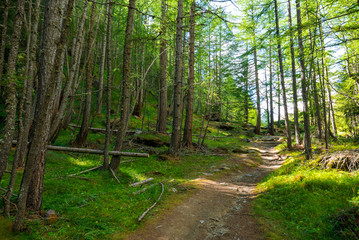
[3,189]
[141,182]
[148,209]
[143,190]
[114,175]
[88,170]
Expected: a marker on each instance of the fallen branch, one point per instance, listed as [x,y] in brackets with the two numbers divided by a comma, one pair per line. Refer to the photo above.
[4,190]
[141,182]
[148,209]
[94,151]
[114,175]
[85,171]
[143,190]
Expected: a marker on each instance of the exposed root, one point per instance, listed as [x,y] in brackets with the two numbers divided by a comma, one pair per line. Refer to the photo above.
[344,160]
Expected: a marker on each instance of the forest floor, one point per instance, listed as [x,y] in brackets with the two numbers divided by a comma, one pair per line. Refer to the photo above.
[220,208]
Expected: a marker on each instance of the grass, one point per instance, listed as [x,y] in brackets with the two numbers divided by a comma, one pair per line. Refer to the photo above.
[299,201]
[96,206]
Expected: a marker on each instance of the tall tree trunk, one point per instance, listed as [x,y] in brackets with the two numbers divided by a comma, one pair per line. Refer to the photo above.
[258,125]
[82,135]
[34,199]
[106,159]
[307,140]
[126,79]
[294,77]
[11,100]
[322,83]
[175,138]
[162,101]
[53,13]
[101,75]
[271,126]
[3,41]
[281,70]
[22,147]
[331,108]
[187,136]
[140,86]
[70,86]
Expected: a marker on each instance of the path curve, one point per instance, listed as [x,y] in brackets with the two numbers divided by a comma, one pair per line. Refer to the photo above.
[220,209]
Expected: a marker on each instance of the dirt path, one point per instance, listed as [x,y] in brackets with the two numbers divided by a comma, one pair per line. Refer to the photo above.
[220,209]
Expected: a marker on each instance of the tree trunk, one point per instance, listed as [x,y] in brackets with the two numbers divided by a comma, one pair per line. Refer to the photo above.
[106,159]
[294,77]
[307,140]
[281,70]
[82,135]
[11,100]
[101,75]
[21,150]
[175,138]
[126,79]
[70,87]
[53,14]
[271,126]
[3,41]
[187,135]
[162,101]
[258,125]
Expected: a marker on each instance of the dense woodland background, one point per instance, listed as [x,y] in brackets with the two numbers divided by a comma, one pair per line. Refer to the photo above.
[70,67]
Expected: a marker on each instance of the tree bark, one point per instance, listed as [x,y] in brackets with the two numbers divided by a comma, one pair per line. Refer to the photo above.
[187,135]
[106,160]
[101,75]
[126,79]
[53,13]
[3,41]
[271,126]
[24,135]
[294,77]
[70,87]
[162,101]
[82,135]
[281,70]
[307,140]
[11,100]
[257,130]
[175,138]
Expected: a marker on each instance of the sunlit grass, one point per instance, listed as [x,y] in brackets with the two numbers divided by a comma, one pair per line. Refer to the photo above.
[299,201]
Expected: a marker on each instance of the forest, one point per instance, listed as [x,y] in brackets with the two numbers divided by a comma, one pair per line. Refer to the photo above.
[213,119]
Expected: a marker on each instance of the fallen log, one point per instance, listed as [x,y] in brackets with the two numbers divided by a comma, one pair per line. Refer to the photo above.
[141,182]
[95,151]
[103,130]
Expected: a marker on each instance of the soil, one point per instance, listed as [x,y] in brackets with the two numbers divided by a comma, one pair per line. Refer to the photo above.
[221,208]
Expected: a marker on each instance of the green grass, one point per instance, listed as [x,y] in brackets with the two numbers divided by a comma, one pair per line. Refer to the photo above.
[98,207]
[300,201]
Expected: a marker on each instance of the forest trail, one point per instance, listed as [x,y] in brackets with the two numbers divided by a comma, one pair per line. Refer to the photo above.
[220,209]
